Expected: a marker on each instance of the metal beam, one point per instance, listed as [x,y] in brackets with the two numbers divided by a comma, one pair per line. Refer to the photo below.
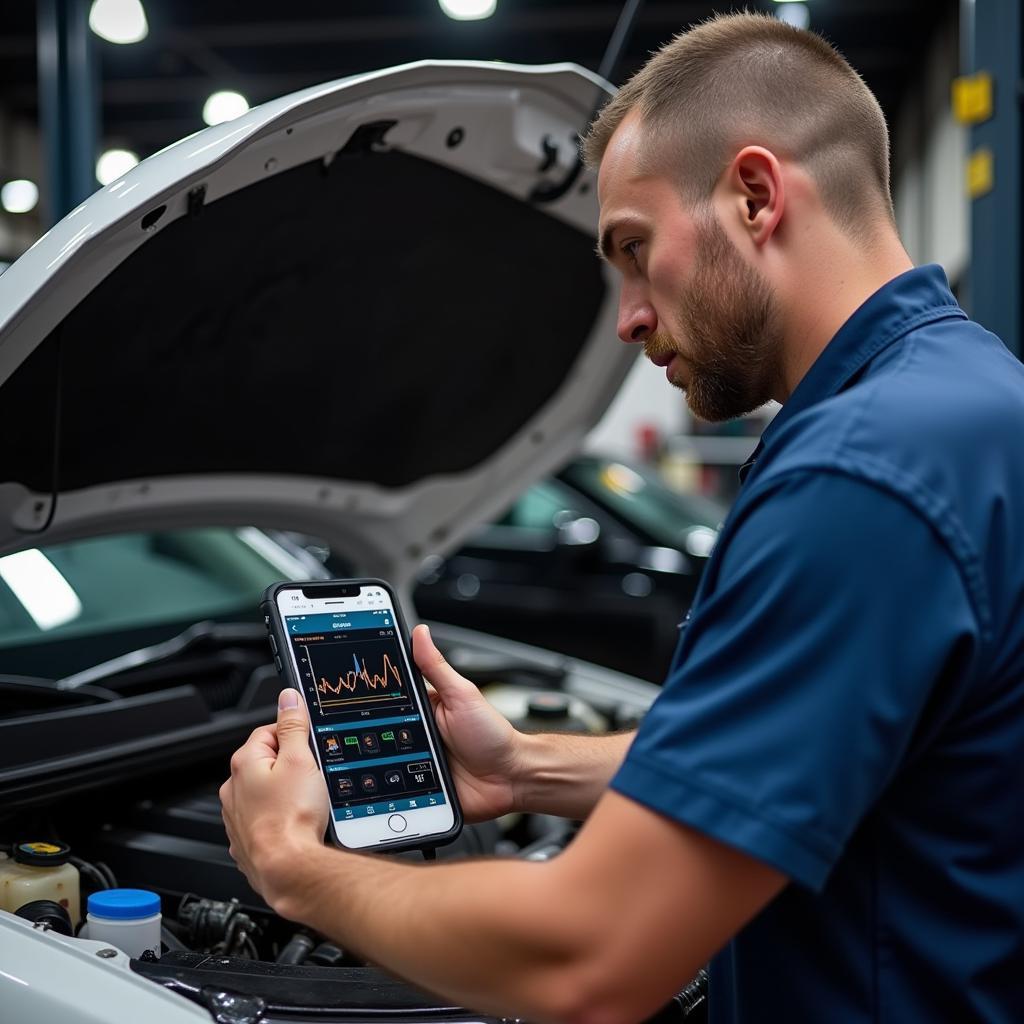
[130,92]
[68,100]
[995,293]
[295,27]
[666,16]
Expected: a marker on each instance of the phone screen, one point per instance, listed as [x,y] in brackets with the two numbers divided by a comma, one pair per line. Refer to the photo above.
[367,723]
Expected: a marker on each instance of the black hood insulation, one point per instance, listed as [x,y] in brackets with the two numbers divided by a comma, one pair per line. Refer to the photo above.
[379,320]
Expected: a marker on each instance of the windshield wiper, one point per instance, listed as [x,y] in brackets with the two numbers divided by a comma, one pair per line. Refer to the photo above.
[51,690]
[202,633]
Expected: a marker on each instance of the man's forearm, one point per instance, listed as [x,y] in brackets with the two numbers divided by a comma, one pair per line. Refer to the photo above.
[566,774]
[572,939]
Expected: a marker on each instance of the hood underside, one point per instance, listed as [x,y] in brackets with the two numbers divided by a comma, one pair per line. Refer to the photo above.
[338,314]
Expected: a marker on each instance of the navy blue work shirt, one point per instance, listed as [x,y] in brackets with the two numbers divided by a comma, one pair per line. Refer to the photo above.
[847,703]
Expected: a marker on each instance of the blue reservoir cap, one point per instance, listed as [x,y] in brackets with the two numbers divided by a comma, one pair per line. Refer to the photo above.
[124,904]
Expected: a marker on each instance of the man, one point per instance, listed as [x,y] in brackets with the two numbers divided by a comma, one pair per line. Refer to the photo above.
[825,798]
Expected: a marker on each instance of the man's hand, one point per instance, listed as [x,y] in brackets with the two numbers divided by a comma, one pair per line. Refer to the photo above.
[484,751]
[275,803]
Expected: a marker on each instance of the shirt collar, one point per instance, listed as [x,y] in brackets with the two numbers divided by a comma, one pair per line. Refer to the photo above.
[916,297]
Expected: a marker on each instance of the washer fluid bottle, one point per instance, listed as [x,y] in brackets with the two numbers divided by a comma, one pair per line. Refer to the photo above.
[40,870]
[126,918]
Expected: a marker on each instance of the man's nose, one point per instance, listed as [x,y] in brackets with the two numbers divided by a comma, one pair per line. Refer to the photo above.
[637,319]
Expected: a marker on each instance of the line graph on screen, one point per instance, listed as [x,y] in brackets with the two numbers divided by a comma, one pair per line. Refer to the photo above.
[346,679]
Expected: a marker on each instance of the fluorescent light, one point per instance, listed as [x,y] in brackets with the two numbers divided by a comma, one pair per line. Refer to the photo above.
[113,163]
[19,196]
[43,592]
[468,10]
[118,21]
[224,106]
[796,15]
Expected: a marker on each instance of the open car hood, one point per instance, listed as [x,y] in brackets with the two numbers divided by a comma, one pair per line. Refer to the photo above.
[340,313]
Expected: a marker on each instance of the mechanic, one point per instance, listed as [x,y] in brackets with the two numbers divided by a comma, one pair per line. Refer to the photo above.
[825,799]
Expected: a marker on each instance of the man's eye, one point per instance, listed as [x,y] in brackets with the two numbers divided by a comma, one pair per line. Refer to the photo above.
[630,249]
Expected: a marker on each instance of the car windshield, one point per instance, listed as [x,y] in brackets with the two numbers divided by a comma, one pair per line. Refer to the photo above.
[117,583]
[637,495]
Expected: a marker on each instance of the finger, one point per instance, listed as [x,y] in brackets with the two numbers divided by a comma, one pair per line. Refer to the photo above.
[432,664]
[260,747]
[263,742]
[267,733]
[432,695]
[293,727]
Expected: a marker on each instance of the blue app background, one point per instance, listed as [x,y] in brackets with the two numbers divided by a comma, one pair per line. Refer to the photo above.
[372,740]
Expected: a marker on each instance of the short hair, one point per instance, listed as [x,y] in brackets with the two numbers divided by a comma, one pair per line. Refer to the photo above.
[750,79]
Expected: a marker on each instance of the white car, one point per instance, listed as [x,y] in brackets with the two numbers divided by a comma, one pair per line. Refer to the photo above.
[339,315]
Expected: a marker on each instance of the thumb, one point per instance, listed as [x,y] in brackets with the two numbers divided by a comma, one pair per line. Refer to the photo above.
[292,726]
[435,669]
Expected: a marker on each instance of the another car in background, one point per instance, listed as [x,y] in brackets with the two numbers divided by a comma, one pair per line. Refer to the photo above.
[600,561]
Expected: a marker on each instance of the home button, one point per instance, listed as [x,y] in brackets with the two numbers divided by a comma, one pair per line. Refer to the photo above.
[397,823]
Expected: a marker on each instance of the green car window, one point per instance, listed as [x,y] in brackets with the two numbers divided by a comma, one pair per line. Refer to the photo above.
[112,583]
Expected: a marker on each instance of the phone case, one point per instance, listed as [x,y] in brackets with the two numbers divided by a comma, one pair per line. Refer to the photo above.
[279,642]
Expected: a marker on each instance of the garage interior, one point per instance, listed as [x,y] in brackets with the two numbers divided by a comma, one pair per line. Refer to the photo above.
[371,352]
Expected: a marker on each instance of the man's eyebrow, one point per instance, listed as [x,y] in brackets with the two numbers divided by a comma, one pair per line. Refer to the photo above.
[604,246]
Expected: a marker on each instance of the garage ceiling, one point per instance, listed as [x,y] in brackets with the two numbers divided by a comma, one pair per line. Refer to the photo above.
[153,91]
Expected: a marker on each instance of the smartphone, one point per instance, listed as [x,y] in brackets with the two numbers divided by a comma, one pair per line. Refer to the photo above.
[344,646]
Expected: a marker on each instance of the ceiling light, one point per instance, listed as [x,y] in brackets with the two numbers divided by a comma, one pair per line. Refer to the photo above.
[113,163]
[468,10]
[19,196]
[796,15]
[118,21]
[224,106]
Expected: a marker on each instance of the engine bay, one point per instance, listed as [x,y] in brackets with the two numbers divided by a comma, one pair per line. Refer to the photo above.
[123,764]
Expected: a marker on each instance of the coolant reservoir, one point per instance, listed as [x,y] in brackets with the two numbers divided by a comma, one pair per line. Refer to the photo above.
[40,871]
[534,710]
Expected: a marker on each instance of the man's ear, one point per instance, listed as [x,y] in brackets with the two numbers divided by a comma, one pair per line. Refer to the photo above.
[755,187]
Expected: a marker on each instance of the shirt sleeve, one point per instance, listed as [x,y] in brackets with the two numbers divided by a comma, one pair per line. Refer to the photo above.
[834,611]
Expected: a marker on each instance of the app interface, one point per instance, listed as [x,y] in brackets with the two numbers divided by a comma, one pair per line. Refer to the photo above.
[373,743]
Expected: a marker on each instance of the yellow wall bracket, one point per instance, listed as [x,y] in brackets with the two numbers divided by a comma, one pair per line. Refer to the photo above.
[980,173]
[972,98]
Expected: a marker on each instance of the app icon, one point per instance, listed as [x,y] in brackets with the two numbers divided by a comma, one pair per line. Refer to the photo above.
[422,773]
[345,785]
[369,783]
[331,745]
[393,778]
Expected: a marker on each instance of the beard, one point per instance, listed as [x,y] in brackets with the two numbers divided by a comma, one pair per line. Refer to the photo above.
[730,318]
